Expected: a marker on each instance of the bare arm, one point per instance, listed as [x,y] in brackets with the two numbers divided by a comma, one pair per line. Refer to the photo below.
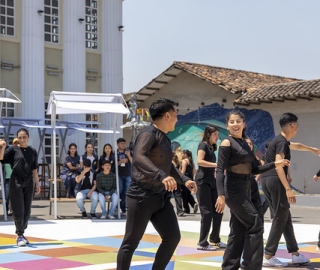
[303,147]
[203,163]
[282,176]
[72,168]
[81,175]
[2,148]
[36,179]
[183,166]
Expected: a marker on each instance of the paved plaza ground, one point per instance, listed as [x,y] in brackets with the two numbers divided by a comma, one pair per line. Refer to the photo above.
[73,243]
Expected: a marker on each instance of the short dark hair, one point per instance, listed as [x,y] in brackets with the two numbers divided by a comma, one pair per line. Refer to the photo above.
[161,106]
[175,145]
[121,140]
[105,162]
[87,162]
[287,118]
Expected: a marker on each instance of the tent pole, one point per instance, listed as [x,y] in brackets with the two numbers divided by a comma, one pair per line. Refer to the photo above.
[116,162]
[53,156]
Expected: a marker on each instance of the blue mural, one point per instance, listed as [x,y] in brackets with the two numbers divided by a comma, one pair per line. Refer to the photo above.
[190,127]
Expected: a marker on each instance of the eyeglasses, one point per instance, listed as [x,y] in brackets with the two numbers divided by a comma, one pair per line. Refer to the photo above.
[22,137]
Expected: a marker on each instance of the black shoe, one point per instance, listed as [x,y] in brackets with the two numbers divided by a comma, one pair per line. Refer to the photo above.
[84,214]
[181,214]
[93,215]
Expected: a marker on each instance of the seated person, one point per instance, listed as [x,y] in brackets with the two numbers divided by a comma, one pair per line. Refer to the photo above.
[106,186]
[69,170]
[85,188]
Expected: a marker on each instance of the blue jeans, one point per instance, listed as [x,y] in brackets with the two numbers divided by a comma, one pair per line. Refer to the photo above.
[69,183]
[82,195]
[124,182]
[114,202]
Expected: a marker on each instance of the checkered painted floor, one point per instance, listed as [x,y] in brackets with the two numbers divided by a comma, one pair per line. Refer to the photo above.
[91,245]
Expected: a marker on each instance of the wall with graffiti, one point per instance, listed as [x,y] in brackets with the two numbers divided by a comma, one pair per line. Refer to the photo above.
[190,127]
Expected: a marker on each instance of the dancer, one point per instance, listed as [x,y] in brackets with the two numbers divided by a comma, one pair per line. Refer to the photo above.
[207,191]
[277,190]
[153,180]
[246,229]
[188,169]
[177,193]
[24,163]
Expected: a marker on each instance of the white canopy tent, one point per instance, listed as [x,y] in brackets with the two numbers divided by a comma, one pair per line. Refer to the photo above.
[84,103]
[5,96]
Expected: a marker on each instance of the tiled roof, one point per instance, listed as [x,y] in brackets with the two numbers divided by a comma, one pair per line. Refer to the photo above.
[280,92]
[232,80]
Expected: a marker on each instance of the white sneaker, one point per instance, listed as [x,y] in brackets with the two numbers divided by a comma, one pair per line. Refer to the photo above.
[273,262]
[218,245]
[111,217]
[206,248]
[317,249]
[103,217]
[299,259]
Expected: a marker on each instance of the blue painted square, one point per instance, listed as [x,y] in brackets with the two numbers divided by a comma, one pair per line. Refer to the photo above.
[19,257]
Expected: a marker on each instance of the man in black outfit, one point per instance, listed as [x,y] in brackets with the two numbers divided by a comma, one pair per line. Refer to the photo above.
[277,190]
[153,180]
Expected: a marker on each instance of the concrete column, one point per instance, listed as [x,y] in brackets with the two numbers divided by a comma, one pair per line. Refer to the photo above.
[74,60]
[32,63]
[112,66]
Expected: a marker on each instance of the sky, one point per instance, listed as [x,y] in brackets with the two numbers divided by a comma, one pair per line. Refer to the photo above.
[277,37]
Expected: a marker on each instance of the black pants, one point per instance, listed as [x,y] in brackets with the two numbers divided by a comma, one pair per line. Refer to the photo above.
[255,197]
[21,194]
[187,199]
[207,196]
[246,230]
[178,198]
[318,240]
[161,214]
[281,223]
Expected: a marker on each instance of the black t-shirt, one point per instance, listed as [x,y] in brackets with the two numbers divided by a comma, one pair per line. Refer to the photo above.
[209,156]
[87,180]
[22,160]
[278,145]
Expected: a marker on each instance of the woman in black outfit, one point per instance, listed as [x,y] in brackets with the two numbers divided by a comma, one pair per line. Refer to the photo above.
[246,229]
[24,162]
[207,190]
[187,168]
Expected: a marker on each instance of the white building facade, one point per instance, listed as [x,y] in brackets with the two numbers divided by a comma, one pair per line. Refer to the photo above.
[61,45]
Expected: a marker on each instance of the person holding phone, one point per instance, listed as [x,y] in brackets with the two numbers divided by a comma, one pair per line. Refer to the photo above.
[124,171]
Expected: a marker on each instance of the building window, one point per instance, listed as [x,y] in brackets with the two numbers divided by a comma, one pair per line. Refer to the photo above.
[92,137]
[48,140]
[91,24]
[7,109]
[51,21]
[7,17]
